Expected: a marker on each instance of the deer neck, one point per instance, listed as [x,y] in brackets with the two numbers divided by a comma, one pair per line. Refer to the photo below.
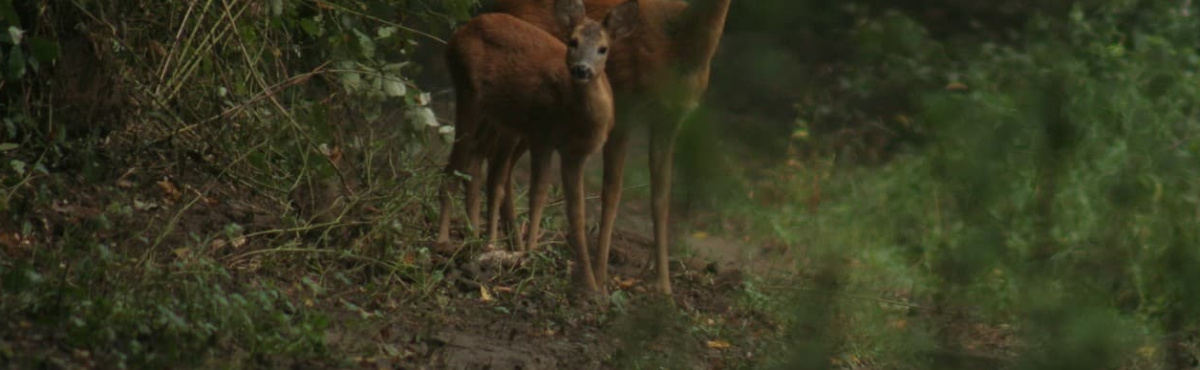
[594,98]
[698,33]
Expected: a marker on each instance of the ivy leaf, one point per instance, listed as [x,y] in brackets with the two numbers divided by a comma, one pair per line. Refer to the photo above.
[348,75]
[16,63]
[422,116]
[365,44]
[394,67]
[351,81]
[385,32]
[18,166]
[15,35]
[310,27]
[8,13]
[394,87]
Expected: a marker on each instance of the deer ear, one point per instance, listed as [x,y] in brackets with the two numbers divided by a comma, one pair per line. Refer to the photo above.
[568,13]
[622,20]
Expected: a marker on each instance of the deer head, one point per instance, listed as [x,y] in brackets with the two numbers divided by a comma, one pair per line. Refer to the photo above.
[587,40]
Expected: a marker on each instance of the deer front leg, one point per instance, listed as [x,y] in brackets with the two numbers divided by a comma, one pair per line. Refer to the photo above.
[540,155]
[614,172]
[572,178]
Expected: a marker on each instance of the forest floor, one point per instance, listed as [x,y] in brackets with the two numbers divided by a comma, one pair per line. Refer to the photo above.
[333,298]
[154,259]
[472,309]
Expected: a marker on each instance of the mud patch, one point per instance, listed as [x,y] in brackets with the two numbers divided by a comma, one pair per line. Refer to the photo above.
[464,351]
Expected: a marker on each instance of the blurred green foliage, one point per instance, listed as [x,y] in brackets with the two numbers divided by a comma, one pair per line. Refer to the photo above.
[1035,173]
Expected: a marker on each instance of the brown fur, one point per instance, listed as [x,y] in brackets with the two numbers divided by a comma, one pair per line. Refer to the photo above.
[658,76]
[513,85]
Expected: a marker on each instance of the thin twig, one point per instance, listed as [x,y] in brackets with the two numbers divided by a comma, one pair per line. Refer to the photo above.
[390,23]
[342,253]
[290,82]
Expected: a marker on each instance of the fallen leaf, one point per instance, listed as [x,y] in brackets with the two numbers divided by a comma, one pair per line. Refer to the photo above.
[238,242]
[956,86]
[504,289]
[700,235]
[718,344]
[1147,351]
[484,295]
[182,252]
[218,244]
[627,283]
[169,189]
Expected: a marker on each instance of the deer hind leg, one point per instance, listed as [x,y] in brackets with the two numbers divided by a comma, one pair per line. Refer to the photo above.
[572,178]
[473,185]
[614,171]
[461,154]
[499,170]
[508,212]
[662,145]
[540,156]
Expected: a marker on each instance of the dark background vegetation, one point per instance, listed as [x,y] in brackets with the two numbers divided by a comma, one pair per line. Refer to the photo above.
[952,184]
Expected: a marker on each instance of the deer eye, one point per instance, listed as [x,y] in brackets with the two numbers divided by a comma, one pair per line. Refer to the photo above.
[603,50]
[574,43]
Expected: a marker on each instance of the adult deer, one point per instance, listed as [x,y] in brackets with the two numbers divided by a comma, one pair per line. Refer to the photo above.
[658,76]
[522,83]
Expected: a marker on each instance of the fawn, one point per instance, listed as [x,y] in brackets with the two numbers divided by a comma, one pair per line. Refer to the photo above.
[659,74]
[515,85]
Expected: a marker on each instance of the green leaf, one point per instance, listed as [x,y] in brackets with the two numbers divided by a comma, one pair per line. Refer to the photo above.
[385,32]
[394,87]
[352,81]
[310,27]
[365,44]
[18,166]
[8,13]
[394,67]
[16,63]
[348,76]
[422,117]
[44,50]
[15,34]
[4,147]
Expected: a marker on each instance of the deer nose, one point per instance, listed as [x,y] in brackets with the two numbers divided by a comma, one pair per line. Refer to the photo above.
[581,72]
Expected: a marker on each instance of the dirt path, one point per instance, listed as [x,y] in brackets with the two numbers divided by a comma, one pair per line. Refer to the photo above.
[525,321]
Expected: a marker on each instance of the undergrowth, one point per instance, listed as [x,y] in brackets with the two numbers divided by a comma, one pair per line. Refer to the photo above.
[1044,224]
[225,183]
